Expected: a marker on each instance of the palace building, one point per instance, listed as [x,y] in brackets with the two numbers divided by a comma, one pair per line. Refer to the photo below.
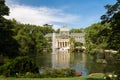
[62,39]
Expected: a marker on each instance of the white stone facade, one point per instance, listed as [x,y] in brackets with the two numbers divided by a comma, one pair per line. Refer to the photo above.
[62,39]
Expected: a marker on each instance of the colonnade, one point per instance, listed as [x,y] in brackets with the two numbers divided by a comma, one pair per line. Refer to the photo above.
[60,43]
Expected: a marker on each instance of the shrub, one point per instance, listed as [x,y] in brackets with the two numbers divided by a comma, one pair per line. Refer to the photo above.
[31,75]
[95,79]
[19,65]
[49,72]
[4,70]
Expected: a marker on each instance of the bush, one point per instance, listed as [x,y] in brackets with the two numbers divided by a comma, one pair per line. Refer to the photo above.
[31,75]
[95,79]
[19,65]
[4,70]
[58,73]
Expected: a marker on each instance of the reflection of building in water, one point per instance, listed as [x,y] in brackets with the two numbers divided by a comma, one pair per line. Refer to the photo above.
[61,59]
[62,39]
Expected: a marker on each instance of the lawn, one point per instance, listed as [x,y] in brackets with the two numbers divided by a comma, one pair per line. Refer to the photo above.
[74,78]
[96,77]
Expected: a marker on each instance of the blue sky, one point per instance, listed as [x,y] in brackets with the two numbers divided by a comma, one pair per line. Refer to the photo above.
[73,13]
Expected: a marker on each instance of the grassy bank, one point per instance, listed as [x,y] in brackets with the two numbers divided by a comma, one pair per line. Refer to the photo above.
[95,77]
[74,78]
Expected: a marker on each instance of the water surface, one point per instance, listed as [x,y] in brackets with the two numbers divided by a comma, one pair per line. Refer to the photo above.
[78,61]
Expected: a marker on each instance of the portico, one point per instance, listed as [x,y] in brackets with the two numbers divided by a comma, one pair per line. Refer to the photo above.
[61,40]
[62,43]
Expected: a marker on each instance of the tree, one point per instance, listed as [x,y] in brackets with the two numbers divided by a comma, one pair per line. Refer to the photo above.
[76,30]
[8,45]
[96,37]
[4,10]
[113,17]
[72,42]
[31,38]
[114,37]
[58,30]
[111,10]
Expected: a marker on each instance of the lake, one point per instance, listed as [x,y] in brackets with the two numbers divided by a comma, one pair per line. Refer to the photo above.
[78,61]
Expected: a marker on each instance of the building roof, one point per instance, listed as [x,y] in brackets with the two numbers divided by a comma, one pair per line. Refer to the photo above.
[64,28]
[77,34]
[71,34]
[51,34]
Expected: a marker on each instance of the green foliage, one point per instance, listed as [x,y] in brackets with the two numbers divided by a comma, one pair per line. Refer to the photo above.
[96,37]
[58,73]
[113,16]
[19,65]
[78,47]
[78,44]
[8,45]
[45,29]
[95,79]
[111,10]
[69,78]
[58,30]
[31,38]
[72,42]
[100,60]
[32,75]
[4,69]
[4,10]
[114,37]
[76,30]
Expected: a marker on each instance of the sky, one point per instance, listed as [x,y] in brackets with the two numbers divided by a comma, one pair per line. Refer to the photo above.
[73,13]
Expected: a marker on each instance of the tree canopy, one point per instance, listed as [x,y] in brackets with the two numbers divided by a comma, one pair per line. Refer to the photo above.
[76,30]
[4,10]
[113,17]
[96,37]
[8,45]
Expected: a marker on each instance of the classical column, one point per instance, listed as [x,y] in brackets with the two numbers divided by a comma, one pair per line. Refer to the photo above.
[65,44]
[62,44]
[58,44]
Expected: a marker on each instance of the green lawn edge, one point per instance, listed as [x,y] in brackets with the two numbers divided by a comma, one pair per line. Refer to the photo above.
[96,77]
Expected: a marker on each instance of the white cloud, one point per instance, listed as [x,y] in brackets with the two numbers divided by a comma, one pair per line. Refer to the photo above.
[45,15]
[39,15]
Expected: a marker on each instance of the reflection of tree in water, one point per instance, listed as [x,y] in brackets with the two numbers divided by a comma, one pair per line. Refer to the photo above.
[113,67]
[93,67]
[44,60]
